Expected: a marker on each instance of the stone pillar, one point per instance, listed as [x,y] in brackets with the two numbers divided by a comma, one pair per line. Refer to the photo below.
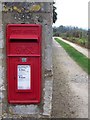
[28,13]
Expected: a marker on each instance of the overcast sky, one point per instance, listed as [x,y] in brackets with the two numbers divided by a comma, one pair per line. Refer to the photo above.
[72,13]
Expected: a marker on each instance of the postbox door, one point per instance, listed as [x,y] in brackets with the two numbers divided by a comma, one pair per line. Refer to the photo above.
[24,83]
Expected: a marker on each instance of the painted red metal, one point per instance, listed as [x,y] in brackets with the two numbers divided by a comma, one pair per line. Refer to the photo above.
[23,47]
[21,37]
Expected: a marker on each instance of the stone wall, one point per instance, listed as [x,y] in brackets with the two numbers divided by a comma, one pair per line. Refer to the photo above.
[37,13]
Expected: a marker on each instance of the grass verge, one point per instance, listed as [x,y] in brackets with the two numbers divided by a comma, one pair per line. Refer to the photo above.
[81,59]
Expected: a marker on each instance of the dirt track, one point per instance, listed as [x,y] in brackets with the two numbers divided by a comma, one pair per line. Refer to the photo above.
[83,50]
[70,90]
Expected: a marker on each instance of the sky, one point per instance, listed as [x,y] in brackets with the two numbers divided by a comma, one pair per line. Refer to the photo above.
[72,13]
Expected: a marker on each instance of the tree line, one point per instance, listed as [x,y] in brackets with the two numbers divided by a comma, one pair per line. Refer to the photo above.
[73,34]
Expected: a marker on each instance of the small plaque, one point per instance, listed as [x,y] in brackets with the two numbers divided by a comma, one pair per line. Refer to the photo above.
[24,77]
[24,59]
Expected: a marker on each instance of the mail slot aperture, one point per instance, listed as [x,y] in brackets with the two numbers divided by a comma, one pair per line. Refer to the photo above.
[22,38]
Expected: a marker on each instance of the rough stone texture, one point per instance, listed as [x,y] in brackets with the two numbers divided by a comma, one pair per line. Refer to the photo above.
[1,75]
[1,59]
[28,7]
[48,97]
[29,109]
[26,0]
[43,17]
[1,40]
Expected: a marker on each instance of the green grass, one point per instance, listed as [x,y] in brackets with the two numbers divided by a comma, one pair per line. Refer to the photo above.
[81,59]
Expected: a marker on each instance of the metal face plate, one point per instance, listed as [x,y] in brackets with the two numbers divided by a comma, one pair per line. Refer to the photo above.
[23,50]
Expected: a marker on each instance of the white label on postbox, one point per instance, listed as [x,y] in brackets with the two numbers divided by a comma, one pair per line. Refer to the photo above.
[24,77]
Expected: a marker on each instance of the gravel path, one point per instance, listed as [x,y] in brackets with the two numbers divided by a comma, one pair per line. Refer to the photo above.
[70,89]
[83,50]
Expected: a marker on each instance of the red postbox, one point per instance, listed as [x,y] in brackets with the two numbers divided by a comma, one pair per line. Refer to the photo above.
[23,50]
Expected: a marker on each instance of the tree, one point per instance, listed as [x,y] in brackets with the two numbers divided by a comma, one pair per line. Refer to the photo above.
[54,13]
